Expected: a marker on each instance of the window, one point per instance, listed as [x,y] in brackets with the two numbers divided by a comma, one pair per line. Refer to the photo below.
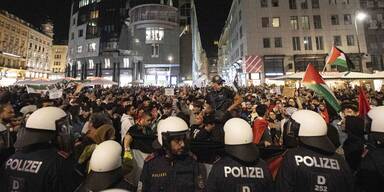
[292,4]
[83,3]
[79,49]
[278,42]
[241,32]
[57,56]
[317,21]
[335,19]
[265,22]
[239,15]
[275,3]
[266,43]
[80,33]
[304,4]
[337,40]
[276,22]
[91,64]
[107,63]
[155,50]
[304,22]
[264,3]
[294,21]
[296,43]
[319,43]
[347,19]
[126,62]
[78,65]
[94,14]
[308,43]
[241,50]
[91,47]
[315,4]
[74,21]
[154,34]
[350,40]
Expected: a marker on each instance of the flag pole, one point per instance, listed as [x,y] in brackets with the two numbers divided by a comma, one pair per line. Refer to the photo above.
[324,68]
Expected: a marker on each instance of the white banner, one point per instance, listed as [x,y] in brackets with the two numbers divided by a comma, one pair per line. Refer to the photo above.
[169,92]
[55,93]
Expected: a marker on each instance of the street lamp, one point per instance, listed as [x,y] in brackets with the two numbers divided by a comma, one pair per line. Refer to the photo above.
[359,16]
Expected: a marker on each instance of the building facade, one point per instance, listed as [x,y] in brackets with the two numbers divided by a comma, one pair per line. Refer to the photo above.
[199,56]
[38,54]
[147,41]
[374,32]
[94,35]
[155,33]
[13,47]
[59,61]
[286,35]
[24,49]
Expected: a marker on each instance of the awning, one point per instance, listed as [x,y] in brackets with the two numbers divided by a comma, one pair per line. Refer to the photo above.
[335,76]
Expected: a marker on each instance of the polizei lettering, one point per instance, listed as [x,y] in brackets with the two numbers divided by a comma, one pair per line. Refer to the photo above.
[244,172]
[23,165]
[321,162]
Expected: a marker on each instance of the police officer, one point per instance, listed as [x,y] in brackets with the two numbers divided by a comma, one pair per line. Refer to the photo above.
[172,168]
[6,134]
[313,165]
[370,175]
[106,169]
[240,169]
[38,165]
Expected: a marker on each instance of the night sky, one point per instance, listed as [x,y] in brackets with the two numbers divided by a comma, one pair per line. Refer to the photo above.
[211,16]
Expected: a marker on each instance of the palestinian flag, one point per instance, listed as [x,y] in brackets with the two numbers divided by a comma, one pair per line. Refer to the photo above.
[364,106]
[339,58]
[313,80]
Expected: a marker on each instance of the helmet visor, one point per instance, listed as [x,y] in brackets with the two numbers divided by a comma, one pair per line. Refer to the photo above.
[64,134]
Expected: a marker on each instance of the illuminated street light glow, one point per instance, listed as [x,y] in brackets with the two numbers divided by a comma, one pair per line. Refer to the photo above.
[361,16]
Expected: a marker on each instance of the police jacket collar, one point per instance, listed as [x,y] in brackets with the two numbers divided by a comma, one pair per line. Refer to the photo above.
[35,147]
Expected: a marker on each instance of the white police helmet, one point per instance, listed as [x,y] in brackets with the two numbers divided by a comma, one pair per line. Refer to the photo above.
[238,139]
[46,118]
[311,128]
[376,114]
[45,125]
[106,157]
[171,127]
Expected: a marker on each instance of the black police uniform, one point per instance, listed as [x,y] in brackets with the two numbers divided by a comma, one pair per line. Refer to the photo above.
[304,170]
[98,181]
[228,174]
[161,174]
[40,168]
[370,175]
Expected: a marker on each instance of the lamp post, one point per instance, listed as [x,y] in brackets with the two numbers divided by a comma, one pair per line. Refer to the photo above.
[359,16]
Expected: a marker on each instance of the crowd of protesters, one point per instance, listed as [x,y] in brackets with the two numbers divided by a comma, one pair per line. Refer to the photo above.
[131,117]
